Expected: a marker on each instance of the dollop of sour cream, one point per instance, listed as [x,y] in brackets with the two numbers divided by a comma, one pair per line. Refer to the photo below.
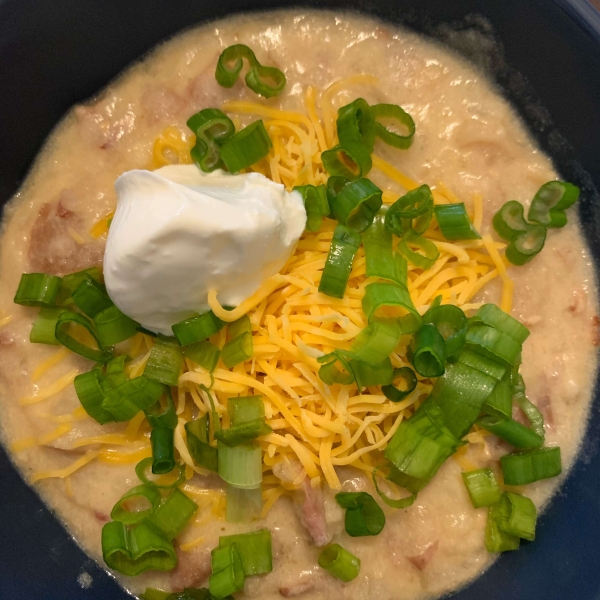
[178,233]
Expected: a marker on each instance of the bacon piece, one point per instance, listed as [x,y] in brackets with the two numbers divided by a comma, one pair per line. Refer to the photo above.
[102,517]
[421,561]
[313,514]
[191,570]
[595,330]
[298,588]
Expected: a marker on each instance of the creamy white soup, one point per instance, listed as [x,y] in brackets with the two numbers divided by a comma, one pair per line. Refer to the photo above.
[469,146]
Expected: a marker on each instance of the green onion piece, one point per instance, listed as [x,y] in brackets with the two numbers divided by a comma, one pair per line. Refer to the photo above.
[452,324]
[368,375]
[163,450]
[43,330]
[245,409]
[338,266]
[394,502]
[72,281]
[197,328]
[254,549]
[460,395]
[165,361]
[315,203]
[380,259]
[330,373]
[356,124]
[526,245]
[115,370]
[237,350]
[377,341]
[205,353]
[430,252]
[351,161]
[258,77]
[37,289]
[240,466]
[490,367]
[113,326]
[127,399]
[339,562]
[391,138]
[246,147]
[513,432]
[356,204]
[91,297]
[428,351]
[141,494]
[454,222]
[482,487]
[392,392]
[133,551]
[363,515]
[414,204]
[531,411]
[413,484]
[499,402]
[516,515]
[212,128]
[492,343]
[550,203]
[141,470]
[522,468]
[202,453]
[237,328]
[91,395]
[162,414]
[392,300]
[509,221]
[171,517]
[497,540]
[241,434]
[64,322]
[494,316]
[228,574]
[333,188]
[243,506]
[154,594]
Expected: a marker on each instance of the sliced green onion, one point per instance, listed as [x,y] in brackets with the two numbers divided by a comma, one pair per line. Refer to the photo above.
[205,353]
[315,203]
[113,326]
[509,221]
[141,470]
[392,391]
[162,415]
[165,361]
[494,316]
[254,549]
[454,222]
[154,594]
[492,343]
[240,466]
[350,161]
[72,281]
[143,492]
[516,515]
[197,329]
[368,375]
[243,506]
[395,502]
[490,367]
[133,551]
[163,450]
[522,468]
[245,409]
[330,373]
[339,562]
[429,255]
[414,204]
[452,324]
[356,124]
[497,540]
[363,515]
[550,203]
[460,395]
[338,266]
[428,351]
[171,517]
[482,487]
[377,341]
[37,289]
[211,127]
[202,453]
[356,204]
[115,370]
[64,322]
[43,330]
[531,411]
[90,394]
[258,77]
[391,138]
[228,574]
[499,402]
[333,188]
[246,147]
[413,484]
[392,300]
[241,434]
[526,245]
[510,431]
[91,297]
[127,399]
[237,350]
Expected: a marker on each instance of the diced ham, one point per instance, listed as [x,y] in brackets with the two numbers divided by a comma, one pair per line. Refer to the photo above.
[102,517]
[106,122]
[192,569]
[204,91]
[160,104]
[313,513]
[303,585]
[544,404]
[421,561]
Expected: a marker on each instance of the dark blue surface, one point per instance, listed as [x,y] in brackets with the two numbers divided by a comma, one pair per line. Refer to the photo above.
[53,54]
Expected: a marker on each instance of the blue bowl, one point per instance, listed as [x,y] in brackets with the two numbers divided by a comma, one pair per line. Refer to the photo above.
[546,58]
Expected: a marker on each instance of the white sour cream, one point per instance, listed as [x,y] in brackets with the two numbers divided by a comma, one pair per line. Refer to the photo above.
[178,233]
